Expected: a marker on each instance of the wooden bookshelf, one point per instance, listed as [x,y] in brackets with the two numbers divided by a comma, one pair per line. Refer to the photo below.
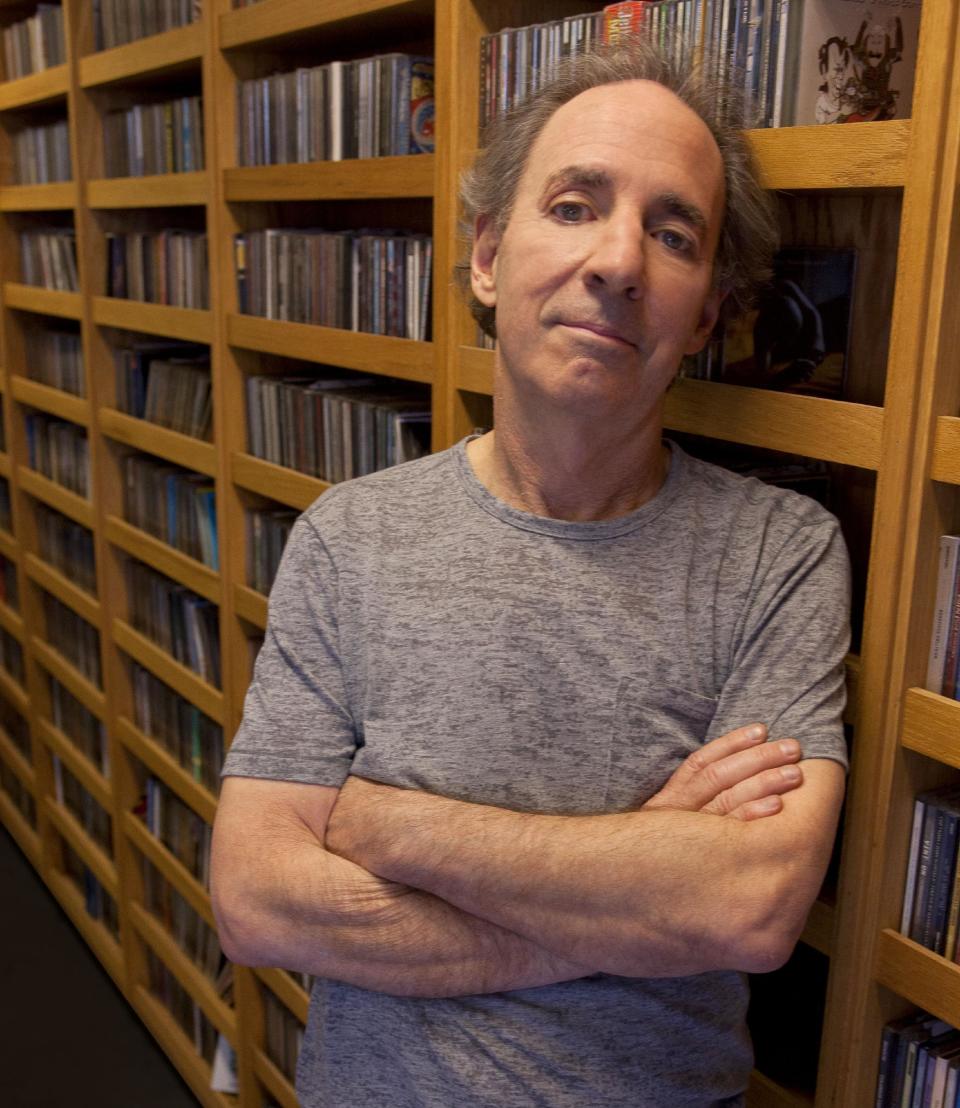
[903,448]
[160,190]
[61,196]
[165,54]
[48,399]
[354,179]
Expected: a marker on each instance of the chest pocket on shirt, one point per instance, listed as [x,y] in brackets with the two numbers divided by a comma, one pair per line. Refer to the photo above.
[656,726]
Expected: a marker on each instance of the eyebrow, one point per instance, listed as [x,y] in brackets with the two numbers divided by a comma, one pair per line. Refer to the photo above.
[578,176]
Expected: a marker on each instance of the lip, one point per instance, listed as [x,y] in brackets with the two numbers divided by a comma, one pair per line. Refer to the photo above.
[600,331]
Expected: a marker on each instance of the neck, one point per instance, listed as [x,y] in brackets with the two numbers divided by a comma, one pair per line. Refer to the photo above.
[571,468]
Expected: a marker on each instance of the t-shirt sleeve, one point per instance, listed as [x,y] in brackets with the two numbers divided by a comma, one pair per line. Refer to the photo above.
[787,668]
[296,722]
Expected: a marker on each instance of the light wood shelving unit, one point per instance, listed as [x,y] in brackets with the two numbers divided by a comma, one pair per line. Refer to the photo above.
[900,440]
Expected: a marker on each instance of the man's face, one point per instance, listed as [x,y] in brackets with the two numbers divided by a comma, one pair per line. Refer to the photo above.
[602,278]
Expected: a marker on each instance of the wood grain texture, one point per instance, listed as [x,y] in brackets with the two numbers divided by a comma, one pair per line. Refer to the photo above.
[191,977]
[35,89]
[286,989]
[49,399]
[56,496]
[199,692]
[857,156]
[274,1080]
[297,490]
[250,605]
[169,866]
[184,450]
[30,298]
[78,764]
[168,190]
[931,726]
[93,855]
[925,979]
[165,559]
[189,324]
[270,20]
[67,674]
[59,196]
[172,50]
[65,590]
[14,760]
[945,463]
[167,768]
[354,179]
[383,355]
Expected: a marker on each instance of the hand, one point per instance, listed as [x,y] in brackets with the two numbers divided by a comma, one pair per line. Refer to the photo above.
[739,774]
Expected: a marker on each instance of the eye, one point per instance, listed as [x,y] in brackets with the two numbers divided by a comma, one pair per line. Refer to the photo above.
[570,211]
[675,241]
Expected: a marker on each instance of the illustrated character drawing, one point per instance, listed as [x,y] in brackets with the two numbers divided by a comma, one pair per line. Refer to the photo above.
[839,95]
[876,51]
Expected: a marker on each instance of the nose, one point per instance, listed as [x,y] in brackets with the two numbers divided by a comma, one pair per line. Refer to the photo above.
[616,260]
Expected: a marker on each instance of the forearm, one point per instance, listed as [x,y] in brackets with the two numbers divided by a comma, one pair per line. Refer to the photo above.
[661,893]
[313,912]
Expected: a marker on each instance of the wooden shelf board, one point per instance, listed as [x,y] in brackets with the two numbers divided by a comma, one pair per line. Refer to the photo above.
[859,155]
[274,1080]
[283,986]
[26,837]
[35,88]
[95,933]
[250,605]
[179,1048]
[56,196]
[67,674]
[161,190]
[830,430]
[18,764]
[167,768]
[296,490]
[279,19]
[167,560]
[163,665]
[189,324]
[931,726]
[920,976]
[156,54]
[93,855]
[56,496]
[171,867]
[5,465]
[78,763]
[945,463]
[763,1092]
[9,547]
[60,586]
[12,622]
[352,179]
[172,446]
[14,692]
[190,976]
[66,405]
[384,355]
[818,931]
[32,298]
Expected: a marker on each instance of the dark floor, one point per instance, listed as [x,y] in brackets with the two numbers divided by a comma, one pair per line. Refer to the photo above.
[68,1039]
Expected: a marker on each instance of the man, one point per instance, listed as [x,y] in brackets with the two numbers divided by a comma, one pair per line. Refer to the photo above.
[501,783]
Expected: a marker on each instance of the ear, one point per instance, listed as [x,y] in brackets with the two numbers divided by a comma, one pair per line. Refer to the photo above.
[483,261]
[709,314]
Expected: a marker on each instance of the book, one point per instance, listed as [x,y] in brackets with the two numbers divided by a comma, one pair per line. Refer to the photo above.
[852,62]
[947,562]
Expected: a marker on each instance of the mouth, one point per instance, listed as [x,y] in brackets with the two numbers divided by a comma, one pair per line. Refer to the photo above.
[601,331]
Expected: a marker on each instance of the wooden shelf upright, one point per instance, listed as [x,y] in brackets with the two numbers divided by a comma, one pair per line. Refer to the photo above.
[895,444]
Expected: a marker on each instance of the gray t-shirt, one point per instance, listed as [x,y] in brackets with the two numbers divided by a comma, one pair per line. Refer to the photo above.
[424,634]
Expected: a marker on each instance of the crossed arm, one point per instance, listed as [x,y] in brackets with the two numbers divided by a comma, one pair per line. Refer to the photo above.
[413,894]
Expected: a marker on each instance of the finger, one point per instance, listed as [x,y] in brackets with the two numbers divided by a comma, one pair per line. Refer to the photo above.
[715,778]
[743,738]
[757,809]
[771,782]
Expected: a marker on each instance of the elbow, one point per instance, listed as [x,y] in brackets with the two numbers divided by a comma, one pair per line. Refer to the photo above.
[235,923]
[766,950]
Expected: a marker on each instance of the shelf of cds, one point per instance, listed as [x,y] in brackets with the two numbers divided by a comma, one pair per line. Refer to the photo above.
[200,237]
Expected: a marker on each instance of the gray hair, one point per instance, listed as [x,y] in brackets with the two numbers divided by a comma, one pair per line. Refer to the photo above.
[748,236]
